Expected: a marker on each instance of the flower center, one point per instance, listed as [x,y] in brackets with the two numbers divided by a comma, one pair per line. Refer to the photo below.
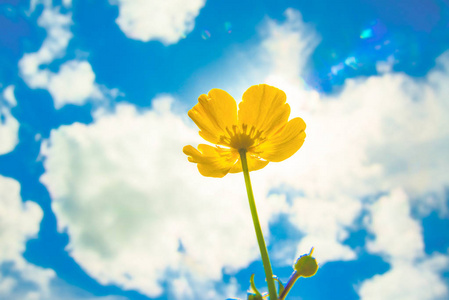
[240,138]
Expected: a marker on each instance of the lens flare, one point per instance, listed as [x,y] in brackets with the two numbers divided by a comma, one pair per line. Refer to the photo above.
[366,34]
[351,62]
[205,35]
[337,68]
[228,27]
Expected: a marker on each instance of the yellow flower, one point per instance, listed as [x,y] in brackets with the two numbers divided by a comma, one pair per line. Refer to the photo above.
[260,127]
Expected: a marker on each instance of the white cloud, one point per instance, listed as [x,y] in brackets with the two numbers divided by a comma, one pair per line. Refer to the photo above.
[398,238]
[325,223]
[54,46]
[128,197]
[19,279]
[362,140]
[405,281]
[288,46]
[166,21]
[19,221]
[67,3]
[390,219]
[373,137]
[8,95]
[9,126]
[379,133]
[74,83]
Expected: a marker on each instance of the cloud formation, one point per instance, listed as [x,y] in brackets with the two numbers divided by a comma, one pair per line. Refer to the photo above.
[19,221]
[74,83]
[57,26]
[398,238]
[119,187]
[379,133]
[9,126]
[165,21]
[19,279]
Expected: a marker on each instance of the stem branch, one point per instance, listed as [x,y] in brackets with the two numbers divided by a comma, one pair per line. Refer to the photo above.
[289,285]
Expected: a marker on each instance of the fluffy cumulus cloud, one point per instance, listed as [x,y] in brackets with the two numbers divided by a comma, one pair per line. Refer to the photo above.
[138,213]
[373,137]
[379,133]
[15,212]
[398,238]
[9,126]
[19,279]
[74,83]
[165,21]
[18,222]
[57,26]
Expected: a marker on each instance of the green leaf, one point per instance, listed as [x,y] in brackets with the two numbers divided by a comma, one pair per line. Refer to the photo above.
[253,293]
[281,286]
[254,297]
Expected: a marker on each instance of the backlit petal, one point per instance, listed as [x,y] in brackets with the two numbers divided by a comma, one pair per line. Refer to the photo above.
[254,164]
[264,107]
[284,143]
[212,161]
[213,113]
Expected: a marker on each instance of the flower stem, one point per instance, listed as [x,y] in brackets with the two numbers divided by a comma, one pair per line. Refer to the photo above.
[289,285]
[260,239]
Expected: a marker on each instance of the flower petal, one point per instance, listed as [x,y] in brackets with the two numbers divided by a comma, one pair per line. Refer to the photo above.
[264,108]
[212,161]
[284,143]
[254,164]
[213,113]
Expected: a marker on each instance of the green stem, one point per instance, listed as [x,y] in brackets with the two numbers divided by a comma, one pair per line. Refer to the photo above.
[260,239]
[289,285]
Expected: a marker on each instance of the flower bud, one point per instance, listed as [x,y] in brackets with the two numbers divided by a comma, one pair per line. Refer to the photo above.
[306,265]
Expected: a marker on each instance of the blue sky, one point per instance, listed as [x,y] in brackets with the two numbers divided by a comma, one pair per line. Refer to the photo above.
[97,200]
